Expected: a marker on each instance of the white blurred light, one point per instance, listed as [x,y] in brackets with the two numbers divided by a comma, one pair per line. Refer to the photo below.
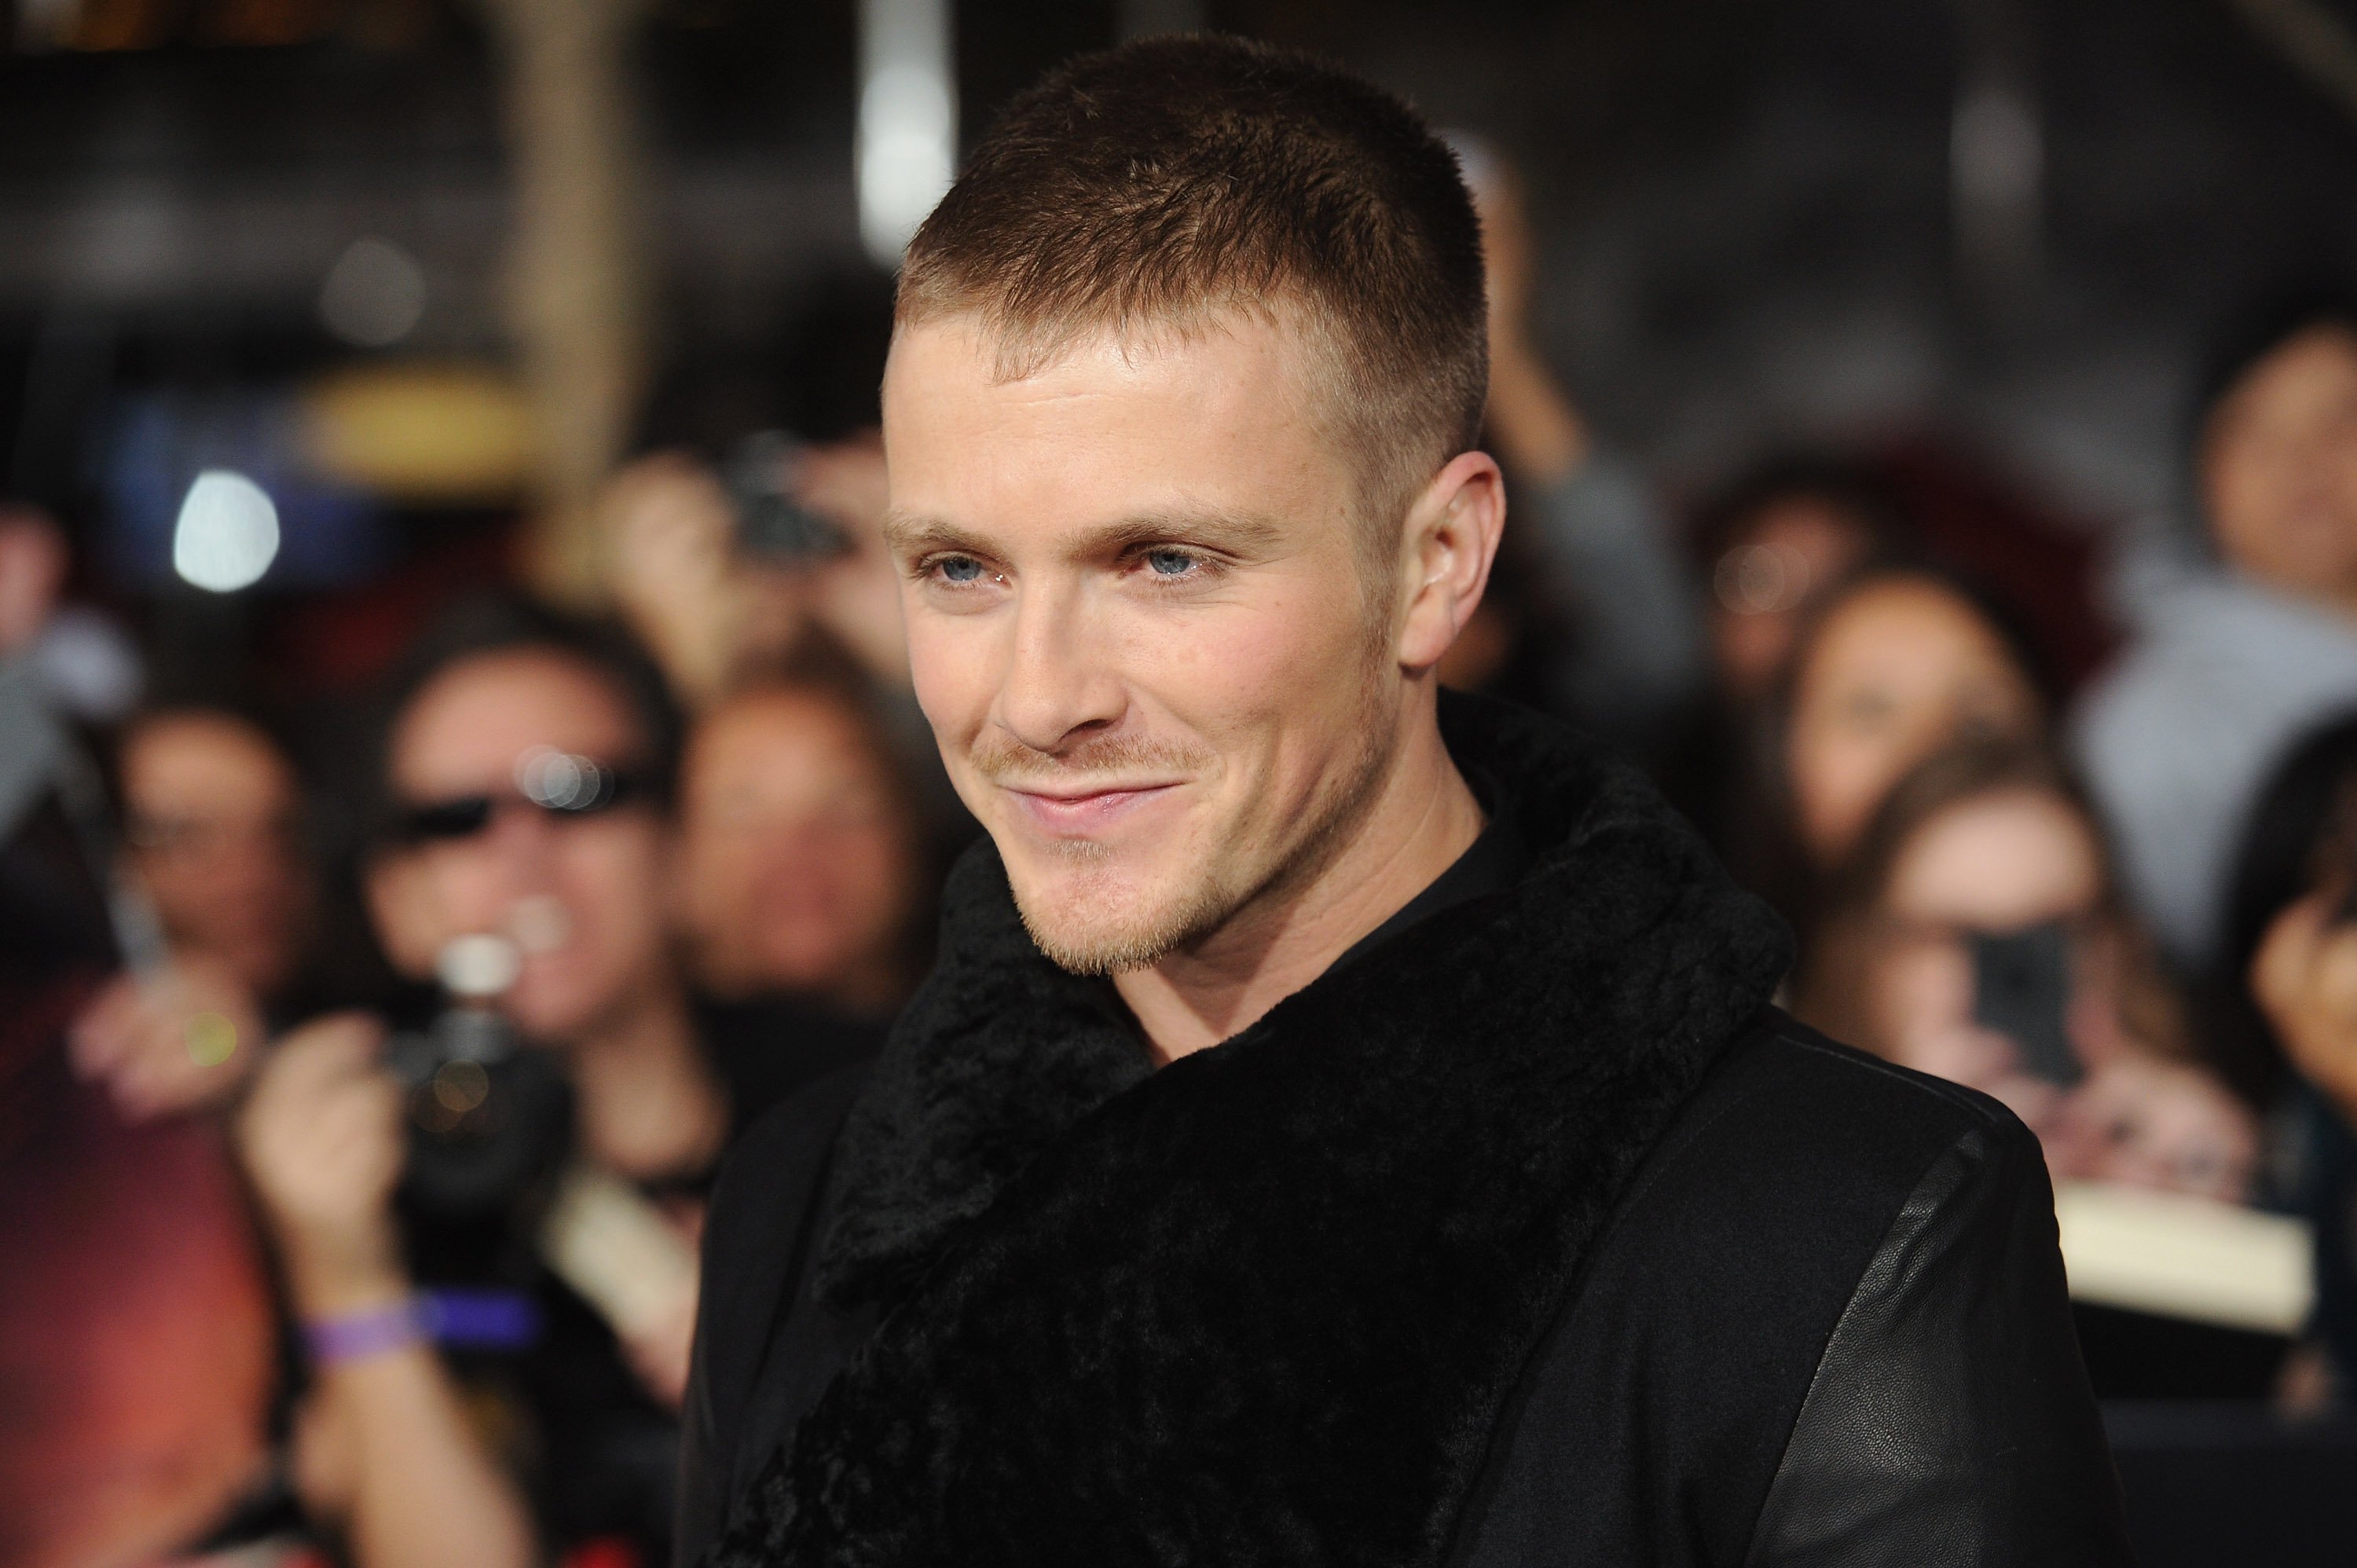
[477,966]
[227,534]
[375,295]
[905,154]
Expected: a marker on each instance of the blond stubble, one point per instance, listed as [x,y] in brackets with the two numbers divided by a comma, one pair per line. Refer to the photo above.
[1085,936]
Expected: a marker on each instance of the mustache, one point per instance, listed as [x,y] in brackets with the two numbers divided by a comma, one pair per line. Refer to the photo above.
[1006,761]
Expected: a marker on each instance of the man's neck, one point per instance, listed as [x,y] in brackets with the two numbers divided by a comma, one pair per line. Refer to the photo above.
[647,1104]
[1424,817]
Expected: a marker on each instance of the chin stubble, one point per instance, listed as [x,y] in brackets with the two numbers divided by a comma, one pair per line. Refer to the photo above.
[1115,947]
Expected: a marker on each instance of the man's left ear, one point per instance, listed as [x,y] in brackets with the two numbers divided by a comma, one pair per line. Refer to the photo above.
[1451,537]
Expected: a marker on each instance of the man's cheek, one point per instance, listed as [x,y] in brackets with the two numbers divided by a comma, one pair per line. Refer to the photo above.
[952,677]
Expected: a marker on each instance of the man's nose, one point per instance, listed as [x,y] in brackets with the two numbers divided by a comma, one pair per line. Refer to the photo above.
[1061,681]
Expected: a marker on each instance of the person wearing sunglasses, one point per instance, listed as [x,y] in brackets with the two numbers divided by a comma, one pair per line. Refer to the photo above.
[523,793]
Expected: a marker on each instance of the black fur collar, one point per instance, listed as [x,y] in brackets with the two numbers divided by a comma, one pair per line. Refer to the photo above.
[1266,1305]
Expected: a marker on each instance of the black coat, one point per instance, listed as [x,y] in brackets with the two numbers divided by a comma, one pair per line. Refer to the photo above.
[1534,1236]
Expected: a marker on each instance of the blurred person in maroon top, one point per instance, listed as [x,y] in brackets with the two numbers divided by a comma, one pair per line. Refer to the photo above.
[136,1329]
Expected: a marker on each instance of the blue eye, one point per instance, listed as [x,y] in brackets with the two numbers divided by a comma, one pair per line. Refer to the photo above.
[961,569]
[1169,562]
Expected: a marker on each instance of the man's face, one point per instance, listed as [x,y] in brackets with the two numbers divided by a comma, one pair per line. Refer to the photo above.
[2280,467]
[581,893]
[1137,624]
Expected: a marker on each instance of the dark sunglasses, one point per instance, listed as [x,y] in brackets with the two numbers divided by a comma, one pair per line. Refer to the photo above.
[559,785]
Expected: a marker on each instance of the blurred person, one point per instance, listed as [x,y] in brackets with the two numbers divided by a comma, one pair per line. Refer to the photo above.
[1606,555]
[212,834]
[724,567]
[798,855]
[1891,665]
[137,1333]
[471,840]
[138,1340]
[1258,1171]
[1771,544]
[83,664]
[214,825]
[709,603]
[1774,541]
[1974,934]
[2288,978]
[2237,652]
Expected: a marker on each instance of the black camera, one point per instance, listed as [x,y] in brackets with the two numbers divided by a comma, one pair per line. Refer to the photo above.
[771,522]
[489,1119]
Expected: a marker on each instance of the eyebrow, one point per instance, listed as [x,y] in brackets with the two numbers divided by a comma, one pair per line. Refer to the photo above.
[1240,533]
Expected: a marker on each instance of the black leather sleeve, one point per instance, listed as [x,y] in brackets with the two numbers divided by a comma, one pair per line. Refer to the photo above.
[1950,1424]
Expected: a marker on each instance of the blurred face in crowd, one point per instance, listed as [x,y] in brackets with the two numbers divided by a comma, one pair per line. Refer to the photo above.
[213,814]
[1895,672]
[2001,863]
[797,857]
[1792,550]
[580,893]
[1140,624]
[2005,863]
[2280,467]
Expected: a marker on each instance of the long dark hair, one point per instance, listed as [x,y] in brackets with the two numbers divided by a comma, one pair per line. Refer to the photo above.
[1765,846]
[2301,833]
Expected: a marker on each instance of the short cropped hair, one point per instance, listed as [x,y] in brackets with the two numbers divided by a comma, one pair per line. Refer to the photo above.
[1157,185]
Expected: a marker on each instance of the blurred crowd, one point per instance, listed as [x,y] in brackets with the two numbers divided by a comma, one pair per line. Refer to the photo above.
[357,1114]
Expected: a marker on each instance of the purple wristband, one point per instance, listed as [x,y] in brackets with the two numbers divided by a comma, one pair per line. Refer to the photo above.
[357,1336]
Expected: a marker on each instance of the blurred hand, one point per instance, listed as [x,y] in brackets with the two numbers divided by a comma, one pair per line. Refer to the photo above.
[1506,256]
[1531,417]
[186,1040]
[658,1353]
[705,608]
[2304,978]
[676,574]
[321,1136]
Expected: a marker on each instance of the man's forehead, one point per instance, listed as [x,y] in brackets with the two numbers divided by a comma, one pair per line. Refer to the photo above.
[964,364]
[1114,431]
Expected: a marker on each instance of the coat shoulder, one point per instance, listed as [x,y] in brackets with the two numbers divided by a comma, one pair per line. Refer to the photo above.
[1811,1095]
[1700,1322]
[1788,1166]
